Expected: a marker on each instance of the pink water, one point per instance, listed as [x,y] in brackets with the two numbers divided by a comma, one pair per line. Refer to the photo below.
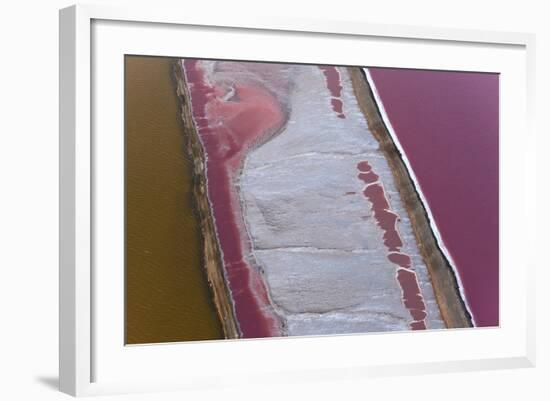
[227,130]
[448,125]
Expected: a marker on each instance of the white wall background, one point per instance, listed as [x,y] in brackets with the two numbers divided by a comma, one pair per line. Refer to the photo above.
[29,186]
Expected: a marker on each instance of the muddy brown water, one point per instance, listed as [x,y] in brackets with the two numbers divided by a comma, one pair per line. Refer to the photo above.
[167,297]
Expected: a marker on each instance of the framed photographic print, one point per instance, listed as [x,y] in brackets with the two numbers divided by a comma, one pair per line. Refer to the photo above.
[289,199]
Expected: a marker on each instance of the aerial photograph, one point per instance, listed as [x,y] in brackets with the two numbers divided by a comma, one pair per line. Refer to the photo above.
[274,199]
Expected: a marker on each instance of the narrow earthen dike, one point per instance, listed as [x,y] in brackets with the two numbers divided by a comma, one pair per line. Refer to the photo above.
[212,259]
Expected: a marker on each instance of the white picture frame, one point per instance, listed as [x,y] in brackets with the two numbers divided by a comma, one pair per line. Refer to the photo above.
[93,360]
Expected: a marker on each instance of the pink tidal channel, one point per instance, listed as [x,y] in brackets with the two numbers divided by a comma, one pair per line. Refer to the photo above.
[227,130]
[386,220]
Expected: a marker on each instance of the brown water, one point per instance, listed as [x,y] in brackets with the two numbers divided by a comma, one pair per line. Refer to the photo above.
[167,294]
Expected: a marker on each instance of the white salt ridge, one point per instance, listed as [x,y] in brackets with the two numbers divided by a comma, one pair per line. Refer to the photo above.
[311,228]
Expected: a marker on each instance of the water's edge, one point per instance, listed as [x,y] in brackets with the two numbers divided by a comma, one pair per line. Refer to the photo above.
[212,259]
[444,281]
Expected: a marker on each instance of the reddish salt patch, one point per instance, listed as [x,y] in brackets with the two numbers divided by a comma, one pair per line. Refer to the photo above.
[400,259]
[227,130]
[386,219]
[368,178]
[411,291]
[412,298]
[364,166]
[337,106]
[418,325]
[334,85]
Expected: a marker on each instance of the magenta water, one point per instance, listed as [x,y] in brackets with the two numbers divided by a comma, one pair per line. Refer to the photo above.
[227,130]
[448,125]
